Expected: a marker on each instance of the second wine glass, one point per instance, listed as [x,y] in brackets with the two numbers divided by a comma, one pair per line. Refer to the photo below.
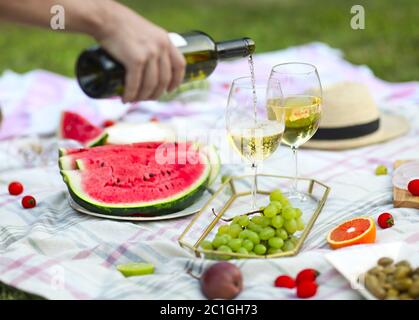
[251,129]
[301,106]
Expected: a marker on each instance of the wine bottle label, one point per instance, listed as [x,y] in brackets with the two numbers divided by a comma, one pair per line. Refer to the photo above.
[177,40]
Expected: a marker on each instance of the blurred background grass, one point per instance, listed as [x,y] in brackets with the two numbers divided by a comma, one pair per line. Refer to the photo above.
[389,44]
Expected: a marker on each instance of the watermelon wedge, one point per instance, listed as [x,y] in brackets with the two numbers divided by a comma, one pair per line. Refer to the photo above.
[132,179]
[74,126]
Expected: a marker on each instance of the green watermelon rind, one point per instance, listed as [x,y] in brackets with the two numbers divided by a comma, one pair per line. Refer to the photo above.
[176,203]
[215,161]
[100,140]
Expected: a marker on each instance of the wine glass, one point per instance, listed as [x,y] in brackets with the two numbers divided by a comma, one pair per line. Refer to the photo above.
[301,108]
[251,129]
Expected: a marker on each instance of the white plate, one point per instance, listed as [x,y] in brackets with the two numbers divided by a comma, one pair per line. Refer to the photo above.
[352,262]
[405,173]
[186,212]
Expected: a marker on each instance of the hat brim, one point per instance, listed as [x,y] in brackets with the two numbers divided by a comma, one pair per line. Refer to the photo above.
[391,126]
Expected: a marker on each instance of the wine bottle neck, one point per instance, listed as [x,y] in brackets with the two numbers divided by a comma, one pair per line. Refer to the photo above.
[235,48]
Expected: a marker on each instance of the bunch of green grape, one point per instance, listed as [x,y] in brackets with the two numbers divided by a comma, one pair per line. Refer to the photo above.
[269,232]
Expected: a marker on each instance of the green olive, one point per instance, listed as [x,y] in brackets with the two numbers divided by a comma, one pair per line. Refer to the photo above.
[414,290]
[392,293]
[402,272]
[373,286]
[385,261]
[403,284]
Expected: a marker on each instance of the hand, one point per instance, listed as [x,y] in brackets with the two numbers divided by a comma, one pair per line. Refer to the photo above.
[153,64]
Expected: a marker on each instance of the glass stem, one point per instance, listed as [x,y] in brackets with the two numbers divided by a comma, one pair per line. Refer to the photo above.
[254,185]
[294,186]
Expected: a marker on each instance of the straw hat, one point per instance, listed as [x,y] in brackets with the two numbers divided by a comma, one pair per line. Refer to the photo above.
[351,119]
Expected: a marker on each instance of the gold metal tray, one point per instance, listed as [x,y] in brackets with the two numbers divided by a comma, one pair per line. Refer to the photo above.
[233,198]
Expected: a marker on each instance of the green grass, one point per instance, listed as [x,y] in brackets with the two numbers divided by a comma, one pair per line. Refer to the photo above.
[389,44]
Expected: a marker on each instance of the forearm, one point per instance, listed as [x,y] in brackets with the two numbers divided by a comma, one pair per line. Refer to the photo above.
[85,16]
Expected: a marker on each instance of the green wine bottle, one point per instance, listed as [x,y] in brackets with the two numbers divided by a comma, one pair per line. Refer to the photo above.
[101,76]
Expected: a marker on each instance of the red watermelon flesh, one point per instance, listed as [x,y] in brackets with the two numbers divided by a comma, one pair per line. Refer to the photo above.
[134,181]
[74,126]
[68,161]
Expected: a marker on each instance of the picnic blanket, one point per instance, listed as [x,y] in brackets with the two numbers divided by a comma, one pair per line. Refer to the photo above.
[57,253]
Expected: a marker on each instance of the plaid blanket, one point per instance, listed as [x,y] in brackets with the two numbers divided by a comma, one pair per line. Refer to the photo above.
[57,253]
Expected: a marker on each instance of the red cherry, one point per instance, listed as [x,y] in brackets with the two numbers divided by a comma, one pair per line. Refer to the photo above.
[15,188]
[306,275]
[108,123]
[413,187]
[306,289]
[385,220]
[284,282]
[28,202]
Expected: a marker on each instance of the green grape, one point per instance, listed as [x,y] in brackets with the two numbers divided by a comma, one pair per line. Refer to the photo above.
[298,212]
[277,222]
[267,233]
[253,236]
[244,234]
[248,245]
[223,229]
[257,219]
[234,230]
[235,244]
[293,239]
[282,233]
[290,226]
[225,249]
[285,202]
[260,249]
[254,227]
[236,219]
[381,170]
[218,241]
[288,245]
[288,213]
[266,222]
[278,206]
[243,220]
[206,245]
[300,224]
[276,195]
[274,251]
[224,178]
[276,242]
[243,250]
[270,211]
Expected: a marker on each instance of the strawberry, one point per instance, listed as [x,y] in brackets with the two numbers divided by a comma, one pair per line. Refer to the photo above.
[385,220]
[284,281]
[15,188]
[306,275]
[306,289]
[413,187]
[28,202]
[108,123]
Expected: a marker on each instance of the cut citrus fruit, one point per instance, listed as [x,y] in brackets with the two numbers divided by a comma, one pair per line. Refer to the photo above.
[359,230]
[135,269]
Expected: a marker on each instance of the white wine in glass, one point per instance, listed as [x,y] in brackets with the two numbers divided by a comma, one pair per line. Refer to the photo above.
[250,129]
[300,106]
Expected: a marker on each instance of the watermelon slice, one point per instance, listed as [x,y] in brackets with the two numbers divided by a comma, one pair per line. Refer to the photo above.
[128,179]
[74,126]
